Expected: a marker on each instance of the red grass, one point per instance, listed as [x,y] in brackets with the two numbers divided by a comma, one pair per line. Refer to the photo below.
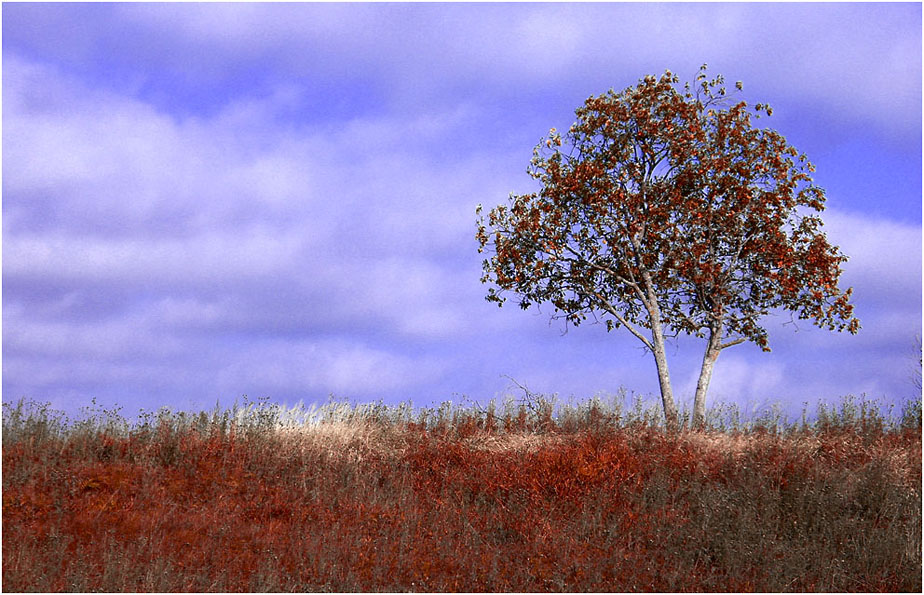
[465,507]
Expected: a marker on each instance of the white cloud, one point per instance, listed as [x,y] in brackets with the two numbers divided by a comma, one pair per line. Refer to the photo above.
[248,27]
[264,208]
[173,262]
[206,230]
[885,256]
[736,379]
[337,366]
[119,338]
[114,166]
[859,61]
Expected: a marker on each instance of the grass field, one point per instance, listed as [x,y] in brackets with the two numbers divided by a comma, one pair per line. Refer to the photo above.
[529,496]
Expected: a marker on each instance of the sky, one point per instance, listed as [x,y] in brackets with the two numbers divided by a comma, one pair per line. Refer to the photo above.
[206,201]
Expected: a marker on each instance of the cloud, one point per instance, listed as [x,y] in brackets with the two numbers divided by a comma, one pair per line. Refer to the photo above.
[130,233]
[858,62]
[268,198]
[115,166]
[738,379]
[119,339]
[884,256]
[174,262]
[337,366]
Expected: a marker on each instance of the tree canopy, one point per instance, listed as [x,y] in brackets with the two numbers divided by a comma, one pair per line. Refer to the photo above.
[666,210]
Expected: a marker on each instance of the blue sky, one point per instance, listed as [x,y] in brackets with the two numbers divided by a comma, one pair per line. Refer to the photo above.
[203,201]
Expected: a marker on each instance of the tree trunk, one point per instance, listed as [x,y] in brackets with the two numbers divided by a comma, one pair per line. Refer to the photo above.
[671,416]
[650,301]
[713,348]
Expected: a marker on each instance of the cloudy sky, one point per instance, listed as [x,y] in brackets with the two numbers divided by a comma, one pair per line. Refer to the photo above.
[207,201]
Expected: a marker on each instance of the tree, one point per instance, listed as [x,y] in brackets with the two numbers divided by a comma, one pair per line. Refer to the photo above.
[667,211]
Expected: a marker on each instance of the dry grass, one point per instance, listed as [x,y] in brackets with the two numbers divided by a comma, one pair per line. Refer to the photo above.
[349,441]
[371,498]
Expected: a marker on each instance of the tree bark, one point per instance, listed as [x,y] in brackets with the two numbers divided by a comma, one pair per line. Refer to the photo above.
[671,417]
[650,300]
[713,348]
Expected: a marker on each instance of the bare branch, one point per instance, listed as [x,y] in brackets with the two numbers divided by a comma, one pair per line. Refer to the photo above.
[732,343]
[631,328]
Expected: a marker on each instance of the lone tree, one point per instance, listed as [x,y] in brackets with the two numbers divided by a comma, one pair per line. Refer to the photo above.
[667,211]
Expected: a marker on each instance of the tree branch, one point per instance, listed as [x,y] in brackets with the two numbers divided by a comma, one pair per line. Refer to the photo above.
[609,308]
[732,343]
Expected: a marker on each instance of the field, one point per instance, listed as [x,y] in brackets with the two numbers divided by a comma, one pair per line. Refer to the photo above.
[530,496]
